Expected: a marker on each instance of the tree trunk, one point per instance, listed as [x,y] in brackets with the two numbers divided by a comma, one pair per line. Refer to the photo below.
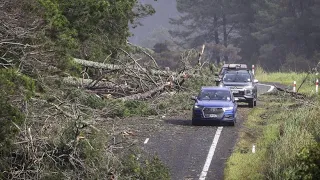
[225,34]
[216,35]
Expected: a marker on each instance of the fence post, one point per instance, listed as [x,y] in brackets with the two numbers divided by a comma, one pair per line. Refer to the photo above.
[253,149]
[317,86]
[252,69]
[294,86]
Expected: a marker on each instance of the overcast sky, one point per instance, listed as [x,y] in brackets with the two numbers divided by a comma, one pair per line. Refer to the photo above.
[165,9]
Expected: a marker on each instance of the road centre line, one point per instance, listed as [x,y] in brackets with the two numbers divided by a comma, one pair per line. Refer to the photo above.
[210,154]
[146,141]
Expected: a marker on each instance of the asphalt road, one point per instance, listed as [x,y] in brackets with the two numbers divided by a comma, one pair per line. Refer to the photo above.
[196,152]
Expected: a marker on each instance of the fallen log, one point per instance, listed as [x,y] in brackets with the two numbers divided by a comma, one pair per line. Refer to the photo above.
[294,94]
[98,65]
[74,81]
[116,67]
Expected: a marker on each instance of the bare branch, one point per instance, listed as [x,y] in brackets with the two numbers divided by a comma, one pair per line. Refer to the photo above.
[154,61]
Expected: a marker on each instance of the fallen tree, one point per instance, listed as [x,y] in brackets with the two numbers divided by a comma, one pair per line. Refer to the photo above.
[129,80]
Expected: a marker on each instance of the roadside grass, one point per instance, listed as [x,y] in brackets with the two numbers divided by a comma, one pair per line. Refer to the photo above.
[242,158]
[286,135]
[287,78]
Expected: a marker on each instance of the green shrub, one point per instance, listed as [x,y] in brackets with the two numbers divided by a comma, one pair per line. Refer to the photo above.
[147,168]
[307,163]
[287,144]
[130,108]
[91,100]
[15,90]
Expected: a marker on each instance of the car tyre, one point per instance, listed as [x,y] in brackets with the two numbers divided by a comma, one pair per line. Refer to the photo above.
[251,103]
[255,103]
[233,123]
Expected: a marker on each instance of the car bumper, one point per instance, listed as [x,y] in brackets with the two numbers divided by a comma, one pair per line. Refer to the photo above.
[226,118]
[244,98]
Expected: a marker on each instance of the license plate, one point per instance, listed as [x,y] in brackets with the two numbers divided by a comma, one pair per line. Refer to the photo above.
[235,91]
[212,115]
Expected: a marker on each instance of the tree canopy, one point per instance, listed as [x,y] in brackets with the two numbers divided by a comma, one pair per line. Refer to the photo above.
[275,33]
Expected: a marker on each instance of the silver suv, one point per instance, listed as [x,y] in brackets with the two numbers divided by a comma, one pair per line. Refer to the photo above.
[242,84]
[228,67]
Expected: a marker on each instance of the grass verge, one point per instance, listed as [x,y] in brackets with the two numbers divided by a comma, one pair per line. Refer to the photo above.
[287,78]
[287,144]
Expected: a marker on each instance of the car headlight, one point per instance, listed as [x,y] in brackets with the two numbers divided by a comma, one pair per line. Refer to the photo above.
[227,108]
[197,107]
[249,90]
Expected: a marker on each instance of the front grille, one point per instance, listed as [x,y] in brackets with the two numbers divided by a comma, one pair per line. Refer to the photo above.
[212,110]
[240,93]
[216,113]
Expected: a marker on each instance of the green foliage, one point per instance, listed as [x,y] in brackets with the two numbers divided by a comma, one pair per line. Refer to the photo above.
[10,116]
[14,87]
[275,34]
[287,78]
[90,29]
[58,25]
[242,157]
[281,30]
[206,78]
[307,165]
[116,108]
[131,108]
[147,169]
[201,21]
[13,83]
[286,143]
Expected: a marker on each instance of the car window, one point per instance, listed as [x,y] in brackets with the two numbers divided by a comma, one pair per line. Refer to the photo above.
[239,77]
[215,95]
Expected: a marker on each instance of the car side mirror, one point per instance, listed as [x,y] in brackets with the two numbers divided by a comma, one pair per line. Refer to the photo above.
[194,98]
[255,81]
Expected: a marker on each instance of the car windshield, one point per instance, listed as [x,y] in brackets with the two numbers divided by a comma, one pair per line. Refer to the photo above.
[221,95]
[237,77]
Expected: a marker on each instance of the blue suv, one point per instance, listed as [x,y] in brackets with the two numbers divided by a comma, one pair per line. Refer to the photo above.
[214,104]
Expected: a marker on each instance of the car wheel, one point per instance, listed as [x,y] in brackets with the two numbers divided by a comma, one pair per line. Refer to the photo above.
[255,103]
[232,123]
[251,103]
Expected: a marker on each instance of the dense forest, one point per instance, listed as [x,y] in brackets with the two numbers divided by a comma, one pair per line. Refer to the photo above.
[276,34]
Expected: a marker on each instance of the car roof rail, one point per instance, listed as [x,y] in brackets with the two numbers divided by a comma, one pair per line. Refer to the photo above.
[235,66]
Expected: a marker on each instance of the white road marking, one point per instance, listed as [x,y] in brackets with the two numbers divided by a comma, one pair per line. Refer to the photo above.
[210,154]
[271,87]
[146,141]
